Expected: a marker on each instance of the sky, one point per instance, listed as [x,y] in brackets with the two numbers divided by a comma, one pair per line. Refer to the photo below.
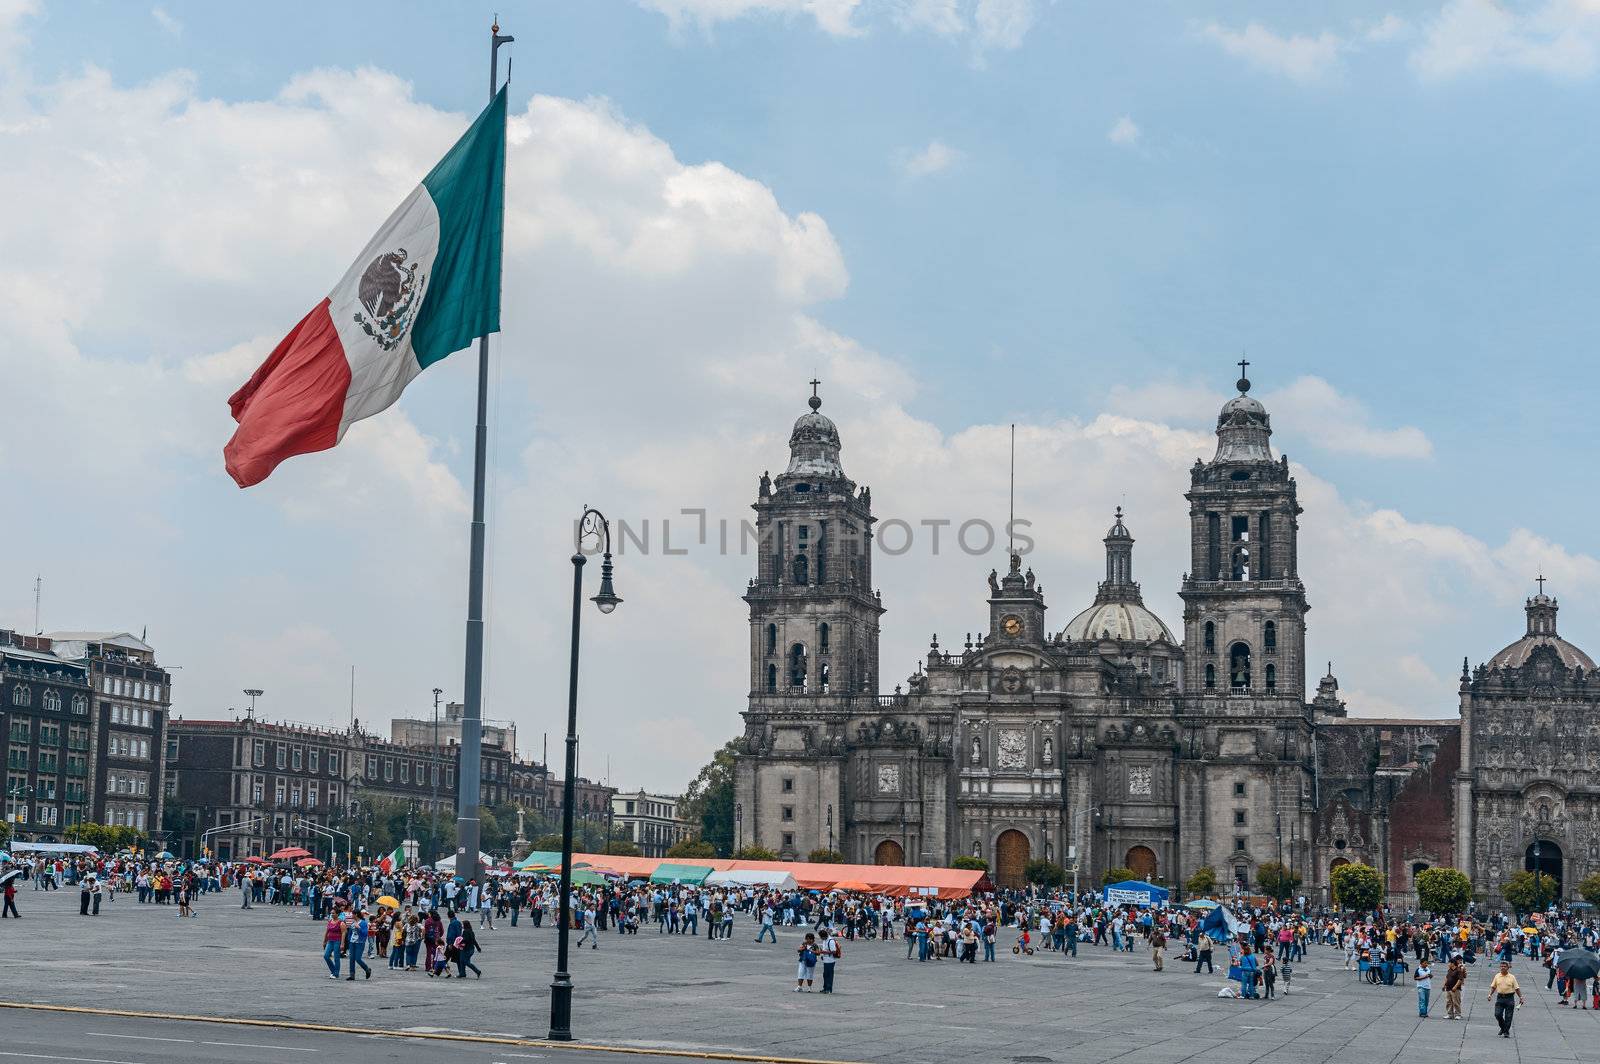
[959,215]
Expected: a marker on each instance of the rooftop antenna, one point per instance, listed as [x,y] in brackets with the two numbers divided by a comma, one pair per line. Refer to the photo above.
[38,584]
[1011,523]
[352,698]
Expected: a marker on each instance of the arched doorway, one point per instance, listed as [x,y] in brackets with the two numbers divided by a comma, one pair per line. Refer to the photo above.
[1544,857]
[1011,852]
[889,852]
[1142,859]
[1338,862]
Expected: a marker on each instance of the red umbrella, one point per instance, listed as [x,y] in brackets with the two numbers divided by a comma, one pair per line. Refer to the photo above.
[254,860]
[289,853]
[308,862]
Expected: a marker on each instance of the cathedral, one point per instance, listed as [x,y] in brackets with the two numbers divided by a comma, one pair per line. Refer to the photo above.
[1111,742]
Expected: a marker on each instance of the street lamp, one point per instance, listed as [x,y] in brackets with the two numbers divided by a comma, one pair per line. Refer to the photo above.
[592,523]
[738,823]
[830,827]
[254,693]
[1538,884]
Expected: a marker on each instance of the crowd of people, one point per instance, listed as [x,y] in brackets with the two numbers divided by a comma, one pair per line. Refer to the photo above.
[414,920]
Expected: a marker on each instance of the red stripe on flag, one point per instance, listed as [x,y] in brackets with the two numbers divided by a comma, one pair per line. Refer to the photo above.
[293,403]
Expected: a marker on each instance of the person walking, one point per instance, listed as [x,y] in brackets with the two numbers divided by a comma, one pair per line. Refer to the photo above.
[466,949]
[831,952]
[1203,955]
[1506,995]
[1423,976]
[1455,977]
[590,935]
[332,938]
[766,926]
[10,908]
[360,929]
[1158,945]
[245,887]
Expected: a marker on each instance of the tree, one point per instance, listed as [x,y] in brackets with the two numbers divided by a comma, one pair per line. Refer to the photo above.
[1590,888]
[1117,875]
[622,848]
[1444,890]
[755,853]
[1042,873]
[548,843]
[825,856]
[970,863]
[1276,881]
[1204,881]
[692,848]
[1358,887]
[5,831]
[1526,894]
[708,800]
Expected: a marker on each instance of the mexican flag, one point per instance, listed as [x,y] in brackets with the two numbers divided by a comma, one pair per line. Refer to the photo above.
[393,861]
[426,285]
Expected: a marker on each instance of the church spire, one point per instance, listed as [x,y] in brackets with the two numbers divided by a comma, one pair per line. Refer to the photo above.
[814,444]
[1118,585]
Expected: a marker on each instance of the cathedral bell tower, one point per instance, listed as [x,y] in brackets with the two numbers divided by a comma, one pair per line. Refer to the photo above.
[813,644]
[1244,604]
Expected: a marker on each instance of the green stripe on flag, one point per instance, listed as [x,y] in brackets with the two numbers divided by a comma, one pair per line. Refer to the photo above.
[468,190]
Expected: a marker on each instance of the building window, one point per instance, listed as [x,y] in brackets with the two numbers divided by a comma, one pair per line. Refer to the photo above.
[1210,636]
[797,666]
[405,772]
[1272,677]
[822,638]
[788,786]
[788,812]
[1211,677]
[1238,843]
[1238,789]
[333,763]
[1239,667]
[788,841]
[51,701]
[1238,818]
[1269,636]
[772,639]
[80,705]
[772,678]
[295,758]
[388,770]
[22,695]
[1241,873]
[372,768]
[315,756]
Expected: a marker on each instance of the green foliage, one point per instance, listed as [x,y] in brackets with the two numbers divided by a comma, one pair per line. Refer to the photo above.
[970,863]
[708,800]
[1117,875]
[1445,890]
[692,848]
[1358,887]
[755,853]
[106,837]
[1590,888]
[622,848]
[1527,894]
[548,843]
[825,856]
[5,832]
[1276,881]
[1042,873]
[1203,881]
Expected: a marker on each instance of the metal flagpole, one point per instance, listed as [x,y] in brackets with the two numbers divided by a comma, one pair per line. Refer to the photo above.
[467,771]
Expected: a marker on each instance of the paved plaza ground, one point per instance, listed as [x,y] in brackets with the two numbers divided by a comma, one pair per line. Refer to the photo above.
[680,993]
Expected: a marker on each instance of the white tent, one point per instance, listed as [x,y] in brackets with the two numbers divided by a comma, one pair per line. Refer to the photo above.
[750,877]
[449,863]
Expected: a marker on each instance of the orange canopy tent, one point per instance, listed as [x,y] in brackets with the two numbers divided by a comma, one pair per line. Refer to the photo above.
[891,880]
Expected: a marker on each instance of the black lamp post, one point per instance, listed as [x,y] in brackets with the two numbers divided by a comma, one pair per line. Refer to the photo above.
[592,523]
[830,827]
[738,823]
[1538,883]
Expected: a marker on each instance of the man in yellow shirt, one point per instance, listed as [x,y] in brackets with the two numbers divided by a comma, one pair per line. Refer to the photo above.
[1506,995]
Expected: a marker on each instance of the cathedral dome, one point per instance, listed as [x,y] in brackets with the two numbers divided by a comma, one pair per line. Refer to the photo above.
[1125,622]
[814,444]
[1244,429]
[1541,610]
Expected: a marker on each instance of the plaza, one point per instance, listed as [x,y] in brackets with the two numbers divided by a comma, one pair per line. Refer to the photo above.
[687,995]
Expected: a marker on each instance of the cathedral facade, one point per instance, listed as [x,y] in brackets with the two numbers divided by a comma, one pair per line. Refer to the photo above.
[1110,742]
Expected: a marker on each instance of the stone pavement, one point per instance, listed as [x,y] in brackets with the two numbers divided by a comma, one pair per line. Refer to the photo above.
[676,992]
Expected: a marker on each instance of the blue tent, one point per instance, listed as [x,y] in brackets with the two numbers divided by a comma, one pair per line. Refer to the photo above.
[1135,892]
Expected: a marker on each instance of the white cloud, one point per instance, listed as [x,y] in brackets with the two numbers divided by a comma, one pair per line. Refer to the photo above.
[1389,28]
[1003,23]
[166,21]
[936,157]
[832,16]
[1560,38]
[1299,57]
[1123,131]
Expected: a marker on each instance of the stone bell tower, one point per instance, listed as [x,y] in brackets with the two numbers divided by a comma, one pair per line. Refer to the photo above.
[813,644]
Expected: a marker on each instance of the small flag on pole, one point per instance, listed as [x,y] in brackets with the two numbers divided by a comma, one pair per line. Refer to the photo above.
[392,861]
[426,285]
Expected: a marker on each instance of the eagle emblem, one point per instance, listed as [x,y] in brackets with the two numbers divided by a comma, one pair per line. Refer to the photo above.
[390,292]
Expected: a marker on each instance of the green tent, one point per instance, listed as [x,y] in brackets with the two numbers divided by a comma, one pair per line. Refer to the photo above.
[693,875]
[544,859]
[585,878]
